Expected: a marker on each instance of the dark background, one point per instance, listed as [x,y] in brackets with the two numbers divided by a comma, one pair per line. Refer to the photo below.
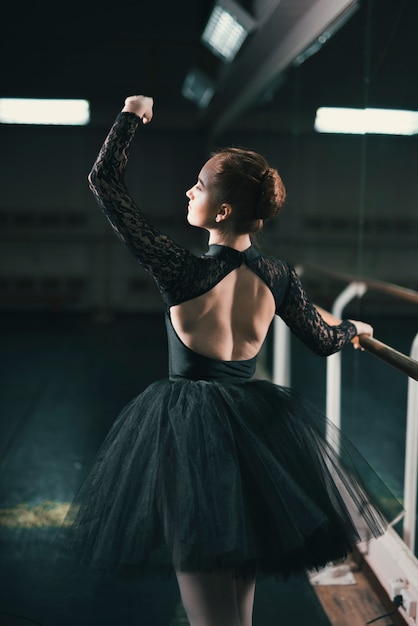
[81,323]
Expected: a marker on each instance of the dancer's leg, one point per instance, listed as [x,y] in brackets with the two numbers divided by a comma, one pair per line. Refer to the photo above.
[210,599]
[245,600]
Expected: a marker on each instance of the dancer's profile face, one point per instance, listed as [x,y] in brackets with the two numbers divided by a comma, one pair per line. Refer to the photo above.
[201,207]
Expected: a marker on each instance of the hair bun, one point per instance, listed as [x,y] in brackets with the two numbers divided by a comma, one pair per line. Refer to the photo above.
[272,195]
[243,179]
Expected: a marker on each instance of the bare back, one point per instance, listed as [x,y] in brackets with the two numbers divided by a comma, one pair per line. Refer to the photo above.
[229,322]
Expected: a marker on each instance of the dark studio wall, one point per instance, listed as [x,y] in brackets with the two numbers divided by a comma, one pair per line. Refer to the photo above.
[352,200]
[57,248]
[58,251]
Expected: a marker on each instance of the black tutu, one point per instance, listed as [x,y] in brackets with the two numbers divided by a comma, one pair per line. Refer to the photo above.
[203,476]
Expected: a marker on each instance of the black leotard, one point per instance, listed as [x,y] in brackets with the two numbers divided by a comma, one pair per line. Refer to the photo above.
[179,274]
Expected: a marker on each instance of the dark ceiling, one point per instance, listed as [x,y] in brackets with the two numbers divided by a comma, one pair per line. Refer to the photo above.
[105,52]
[102,51]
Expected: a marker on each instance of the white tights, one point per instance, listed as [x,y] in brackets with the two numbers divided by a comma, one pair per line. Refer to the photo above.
[216,599]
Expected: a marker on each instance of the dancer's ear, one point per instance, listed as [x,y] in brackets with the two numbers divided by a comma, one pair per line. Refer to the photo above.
[224,211]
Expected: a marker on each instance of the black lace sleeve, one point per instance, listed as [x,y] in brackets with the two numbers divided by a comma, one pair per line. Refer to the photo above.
[306,323]
[157,253]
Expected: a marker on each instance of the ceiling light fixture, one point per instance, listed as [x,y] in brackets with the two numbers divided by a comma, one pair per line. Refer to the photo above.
[198,88]
[227,28]
[44,111]
[331,29]
[363,121]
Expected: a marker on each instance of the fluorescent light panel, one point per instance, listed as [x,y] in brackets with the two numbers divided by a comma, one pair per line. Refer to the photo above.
[363,121]
[44,111]
[198,88]
[227,29]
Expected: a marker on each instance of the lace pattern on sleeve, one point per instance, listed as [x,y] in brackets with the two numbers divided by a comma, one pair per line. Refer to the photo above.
[305,322]
[167,262]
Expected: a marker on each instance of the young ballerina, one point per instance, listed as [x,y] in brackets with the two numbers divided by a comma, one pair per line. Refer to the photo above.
[210,473]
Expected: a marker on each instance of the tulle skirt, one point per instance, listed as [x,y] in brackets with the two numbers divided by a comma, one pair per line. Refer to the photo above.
[203,476]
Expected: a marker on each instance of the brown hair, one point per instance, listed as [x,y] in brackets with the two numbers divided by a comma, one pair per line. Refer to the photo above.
[255,191]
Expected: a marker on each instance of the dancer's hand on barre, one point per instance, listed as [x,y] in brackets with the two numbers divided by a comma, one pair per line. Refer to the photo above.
[361,327]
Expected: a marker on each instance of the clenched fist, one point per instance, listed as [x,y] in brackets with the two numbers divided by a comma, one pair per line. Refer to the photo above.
[141,106]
